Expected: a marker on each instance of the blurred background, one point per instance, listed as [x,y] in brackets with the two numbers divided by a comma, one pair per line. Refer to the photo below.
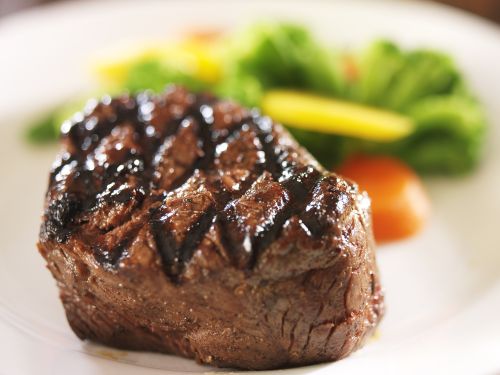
[486,8]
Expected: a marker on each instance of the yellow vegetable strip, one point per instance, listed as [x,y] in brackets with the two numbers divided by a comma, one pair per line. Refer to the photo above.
[324,115]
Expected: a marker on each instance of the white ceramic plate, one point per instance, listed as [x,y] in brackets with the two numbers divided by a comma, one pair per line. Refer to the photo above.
[443,287]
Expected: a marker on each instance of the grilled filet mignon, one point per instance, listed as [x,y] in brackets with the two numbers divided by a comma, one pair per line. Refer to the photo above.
[184,224]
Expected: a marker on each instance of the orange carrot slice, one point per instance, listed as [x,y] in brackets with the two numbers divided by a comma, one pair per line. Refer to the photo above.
[400,205]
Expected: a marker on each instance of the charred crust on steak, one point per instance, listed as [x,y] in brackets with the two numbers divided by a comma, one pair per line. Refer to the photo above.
[182,223]
[120,152]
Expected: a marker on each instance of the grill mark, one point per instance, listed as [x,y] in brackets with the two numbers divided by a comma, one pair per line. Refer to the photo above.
[193,110]
[206,135]
[264,126]
[151,145]
[86,139]
[254,174]
[332,199]
[132,164]
[111,258]
[196,233]
[165,244]
[221,199]
[204,122]
[225,240]
[104,256]
[175,256]
[298,191]
[126,195]
[204,115]
[60,215]
[300,196]
[189,168]
[269,234]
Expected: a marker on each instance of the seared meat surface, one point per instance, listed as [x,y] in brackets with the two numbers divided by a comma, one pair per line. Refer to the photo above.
[185,224]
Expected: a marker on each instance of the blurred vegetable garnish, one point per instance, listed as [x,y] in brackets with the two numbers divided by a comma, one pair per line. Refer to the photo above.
[413,104]
[400,205]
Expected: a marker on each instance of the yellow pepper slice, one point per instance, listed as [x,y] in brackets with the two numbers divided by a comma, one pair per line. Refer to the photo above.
[325,115]
[202,57]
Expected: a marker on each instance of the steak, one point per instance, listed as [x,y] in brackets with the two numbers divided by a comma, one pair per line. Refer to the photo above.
[185,224]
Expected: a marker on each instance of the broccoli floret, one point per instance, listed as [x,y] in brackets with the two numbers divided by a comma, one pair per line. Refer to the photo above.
[153,74]
[285,55]
[449,134]
[395,79]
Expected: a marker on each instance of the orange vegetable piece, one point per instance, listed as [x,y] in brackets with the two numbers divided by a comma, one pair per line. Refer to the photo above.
[400,205]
